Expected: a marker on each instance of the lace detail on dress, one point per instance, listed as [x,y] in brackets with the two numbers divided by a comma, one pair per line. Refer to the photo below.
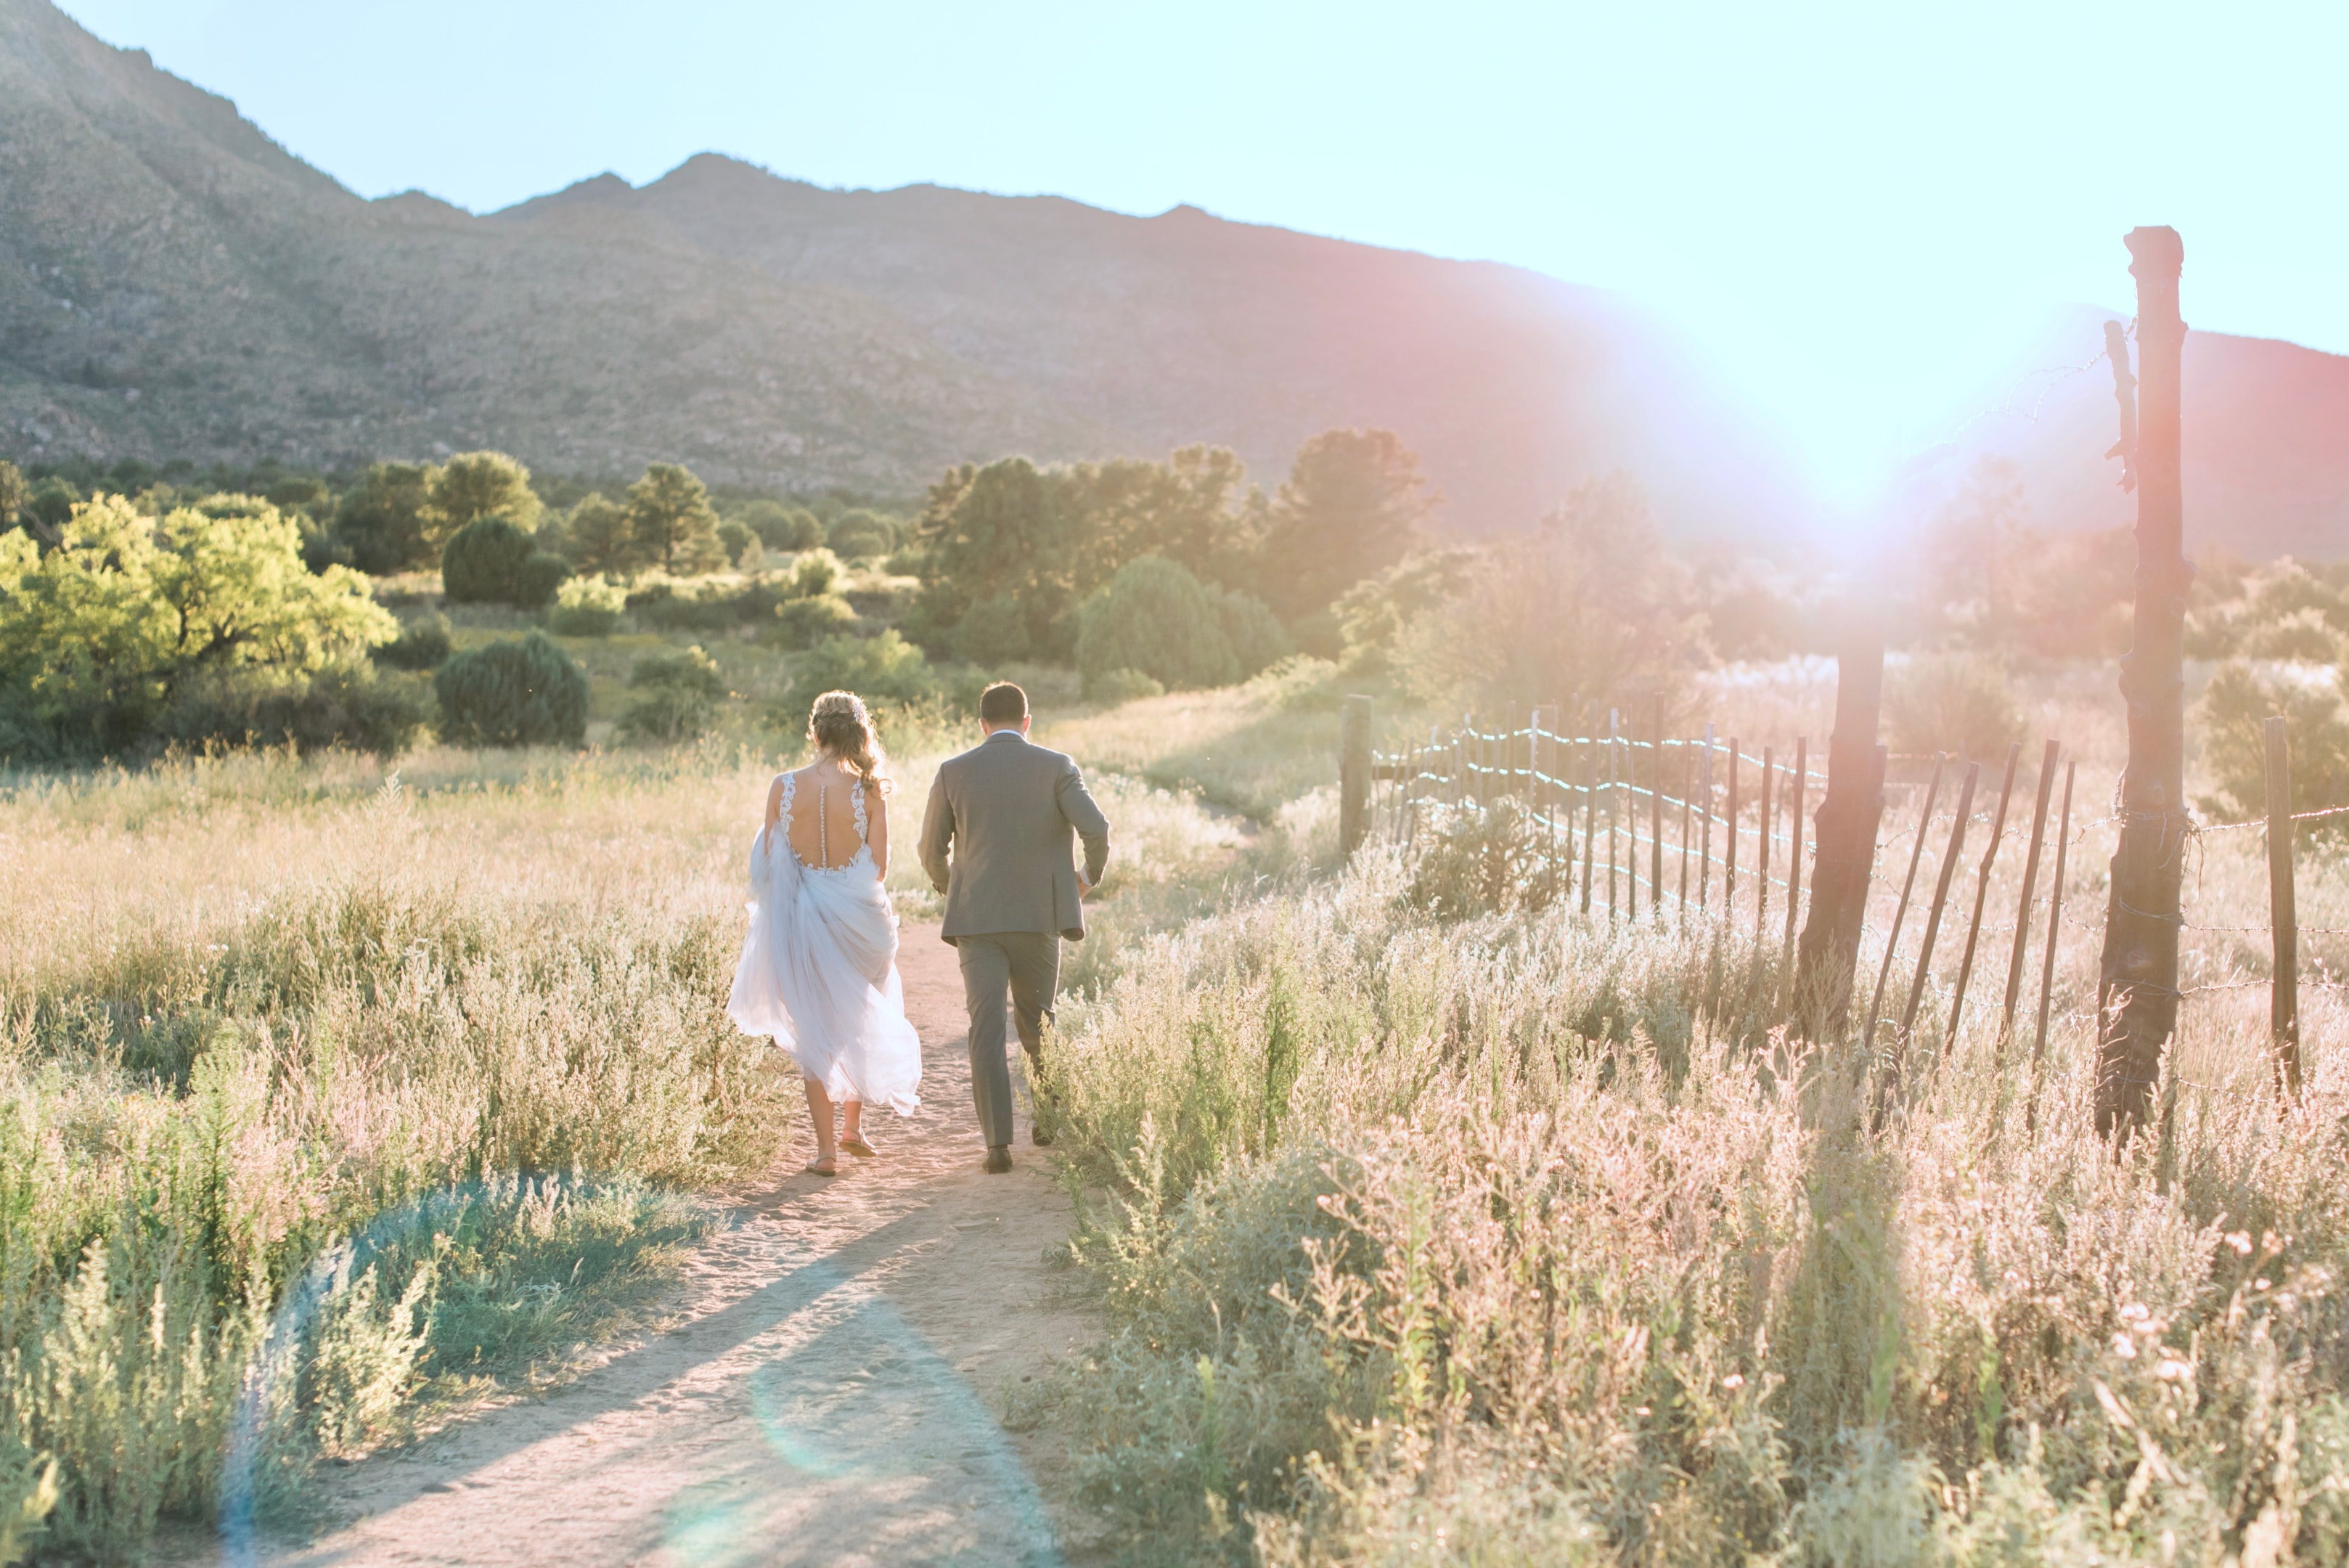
[823,826]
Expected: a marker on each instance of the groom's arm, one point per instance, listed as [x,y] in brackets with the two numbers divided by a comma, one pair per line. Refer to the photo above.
[937,833]
[1077,804]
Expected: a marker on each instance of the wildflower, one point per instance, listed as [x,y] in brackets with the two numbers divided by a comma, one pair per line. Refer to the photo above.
[2240,1240]
[1735,1380]
[2174,1371]
[2125,1347]
[2135,1313]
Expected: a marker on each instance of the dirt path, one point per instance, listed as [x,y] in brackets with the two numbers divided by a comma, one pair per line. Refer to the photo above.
[827,1395]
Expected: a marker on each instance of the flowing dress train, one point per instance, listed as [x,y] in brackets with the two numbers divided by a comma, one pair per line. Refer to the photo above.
[819,969]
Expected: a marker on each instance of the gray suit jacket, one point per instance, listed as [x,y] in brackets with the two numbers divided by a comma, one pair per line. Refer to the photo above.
[1004,810]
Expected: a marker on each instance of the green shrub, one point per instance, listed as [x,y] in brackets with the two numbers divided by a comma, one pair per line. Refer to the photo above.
[1158,619]
[525,693]
[883,669]
[2233,716]
[814,574]
[779,527]
[422,644]
[587,607]
[708,606]
[490,561]
[993,632]
[858,535]
[804,622]
[346,704]
[737,541]
[1122,686]
[676,697]
[2302,635]
[1960,703]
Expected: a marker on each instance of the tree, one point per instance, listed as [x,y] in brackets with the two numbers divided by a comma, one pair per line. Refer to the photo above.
[490,561]
[1353,505]
[99,634]
[12,494]
[475,485]
[603,538]
[1157,619]
[671,518]
[1001,532]
[381,519]
[525,693]
[1591,608]
[1189,509]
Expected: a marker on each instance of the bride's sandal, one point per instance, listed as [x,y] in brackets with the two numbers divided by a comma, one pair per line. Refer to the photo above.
[825,1165]
[859,1147]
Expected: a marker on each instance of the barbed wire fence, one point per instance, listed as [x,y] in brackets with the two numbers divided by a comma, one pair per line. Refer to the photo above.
[1629,828]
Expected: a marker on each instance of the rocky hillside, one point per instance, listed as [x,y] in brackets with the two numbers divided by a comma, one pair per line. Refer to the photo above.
[174,284]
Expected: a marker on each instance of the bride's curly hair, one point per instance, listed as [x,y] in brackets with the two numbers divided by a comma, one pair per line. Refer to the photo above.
[842,726]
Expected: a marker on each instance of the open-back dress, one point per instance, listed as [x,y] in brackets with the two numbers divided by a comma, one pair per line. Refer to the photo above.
[819,968]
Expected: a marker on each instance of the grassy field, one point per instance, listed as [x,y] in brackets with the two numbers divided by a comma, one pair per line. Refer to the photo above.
[1505,1239]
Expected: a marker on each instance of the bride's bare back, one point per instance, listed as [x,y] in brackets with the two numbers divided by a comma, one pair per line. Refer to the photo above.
[823,827]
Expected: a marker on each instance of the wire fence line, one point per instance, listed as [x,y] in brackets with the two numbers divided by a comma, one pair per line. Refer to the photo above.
[1640,826]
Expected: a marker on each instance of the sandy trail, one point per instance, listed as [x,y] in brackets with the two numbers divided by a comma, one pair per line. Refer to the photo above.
[825,1396]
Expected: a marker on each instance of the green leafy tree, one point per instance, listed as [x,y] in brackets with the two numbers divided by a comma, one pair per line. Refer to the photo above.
[1157,619]
[1591,608]
[1354,504]
[1001,532]
[860,534]
[670,516]
[1191,509]
[381,519]
[490,561]
[476,485]
[2234,711]
[525,693]
[602,538]
[12,494]
[49,507]
[883,669]
[676,697]
[99,634]
[782,527]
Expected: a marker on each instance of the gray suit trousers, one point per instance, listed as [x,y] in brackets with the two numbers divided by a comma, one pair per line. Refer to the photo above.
[1028,964]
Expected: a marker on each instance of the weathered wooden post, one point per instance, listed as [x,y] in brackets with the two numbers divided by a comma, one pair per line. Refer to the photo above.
[1907,885]
[1940,899]
[1982,893]
[1705,845]
[2047,961]
[2022,904]
[1762,855]
[1353,774]
[2136,990]
[1656,818]
[2283,912]
[1729,867]
[1850,816]
[1614,815]
[1589,818]
[1799,777]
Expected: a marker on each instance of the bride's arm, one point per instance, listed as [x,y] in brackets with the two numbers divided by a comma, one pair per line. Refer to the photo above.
[774,806]
[876,831]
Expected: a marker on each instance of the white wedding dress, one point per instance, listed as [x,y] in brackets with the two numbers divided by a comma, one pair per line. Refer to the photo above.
[819,969]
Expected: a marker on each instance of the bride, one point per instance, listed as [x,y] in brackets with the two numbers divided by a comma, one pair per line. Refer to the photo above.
[819,969]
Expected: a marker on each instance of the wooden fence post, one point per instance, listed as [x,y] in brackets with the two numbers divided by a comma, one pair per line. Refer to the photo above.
[1849,817]
[1900,909]
[1614,817]
[1688,795]
[1940,898]
[2047,961]
[1982,893]
[1704,830]
[1762,857]
[1353,774]
[2022,904]
[1794,863]
[2283,912]
[1729,867]
[2136,990]
[1656,819]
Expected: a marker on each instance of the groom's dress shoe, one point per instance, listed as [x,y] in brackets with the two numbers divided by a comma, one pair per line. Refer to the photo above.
[998,1158]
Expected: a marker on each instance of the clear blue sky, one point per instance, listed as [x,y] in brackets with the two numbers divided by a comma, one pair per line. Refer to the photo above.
[1862,209]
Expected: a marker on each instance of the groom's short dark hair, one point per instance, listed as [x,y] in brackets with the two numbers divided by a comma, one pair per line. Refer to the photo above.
[1002,703]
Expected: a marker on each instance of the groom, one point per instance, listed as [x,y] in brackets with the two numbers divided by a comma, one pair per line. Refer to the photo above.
[1006,810]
